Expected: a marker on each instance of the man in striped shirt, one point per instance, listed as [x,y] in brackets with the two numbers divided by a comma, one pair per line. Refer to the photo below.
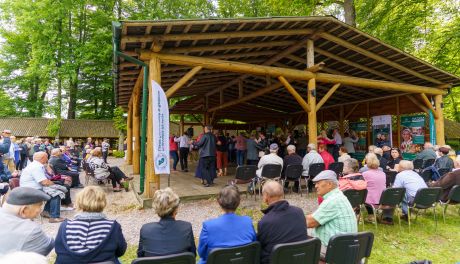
[335,214]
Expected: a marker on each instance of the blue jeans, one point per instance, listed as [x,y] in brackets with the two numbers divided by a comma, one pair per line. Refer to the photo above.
[408,200]
[240,157]
[175,157]
[53,207]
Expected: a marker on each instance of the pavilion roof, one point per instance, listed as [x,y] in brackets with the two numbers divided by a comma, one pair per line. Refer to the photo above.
[76,128]
[344,50]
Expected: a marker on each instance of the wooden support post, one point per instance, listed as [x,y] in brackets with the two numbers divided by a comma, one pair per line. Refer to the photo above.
[129,134]
[182,81]
[136,133]
[398,121]
[240,89]
[327,96]
[294,93]
[341,119]
[152,178]
[440,140]
[312,125]
[312,122]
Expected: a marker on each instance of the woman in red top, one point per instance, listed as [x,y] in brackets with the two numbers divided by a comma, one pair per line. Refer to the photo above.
[327,157]
[173,151]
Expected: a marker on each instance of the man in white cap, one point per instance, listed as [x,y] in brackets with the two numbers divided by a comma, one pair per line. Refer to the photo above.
[19,232]
[271,158]
[335,214]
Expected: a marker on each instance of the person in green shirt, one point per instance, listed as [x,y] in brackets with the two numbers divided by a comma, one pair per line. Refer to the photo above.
[335,214]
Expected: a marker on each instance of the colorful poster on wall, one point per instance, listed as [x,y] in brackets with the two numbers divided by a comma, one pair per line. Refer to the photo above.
[160,129]
[412,131]
[381,130]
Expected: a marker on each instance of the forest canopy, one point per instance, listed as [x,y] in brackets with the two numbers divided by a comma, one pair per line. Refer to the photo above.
[56,56]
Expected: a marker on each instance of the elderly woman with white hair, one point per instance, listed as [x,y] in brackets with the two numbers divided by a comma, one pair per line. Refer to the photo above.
[409,179]
[168,236]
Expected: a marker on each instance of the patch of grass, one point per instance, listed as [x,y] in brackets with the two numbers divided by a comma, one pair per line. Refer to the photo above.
[422,241]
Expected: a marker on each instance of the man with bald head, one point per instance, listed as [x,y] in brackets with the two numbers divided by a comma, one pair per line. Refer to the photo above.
[33,176]
[282,223]
[427,152]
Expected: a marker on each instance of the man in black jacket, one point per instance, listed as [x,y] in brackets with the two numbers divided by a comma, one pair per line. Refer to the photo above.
[59,166]
[282,222]
[207,162]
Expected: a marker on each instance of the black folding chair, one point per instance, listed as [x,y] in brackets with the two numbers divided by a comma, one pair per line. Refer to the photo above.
[452,198]
[270,172]
[246,174]
[443,171]
[428,163]
[391,198]
[247,254]
[357,198]
[336,167]
[390,177]
[182,258]
[293,174]
[302,252]
[426,175]
[350,248]
[418,164]
[313,170]
[425,198]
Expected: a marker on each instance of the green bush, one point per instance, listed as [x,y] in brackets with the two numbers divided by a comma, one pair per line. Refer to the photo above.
[118,154]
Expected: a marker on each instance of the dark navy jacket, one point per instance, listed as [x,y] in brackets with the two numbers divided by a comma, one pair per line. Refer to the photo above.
[282,223]
[168,236]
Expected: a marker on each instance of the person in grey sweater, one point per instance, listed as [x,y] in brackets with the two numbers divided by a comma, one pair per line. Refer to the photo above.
[19,232]
[427,152]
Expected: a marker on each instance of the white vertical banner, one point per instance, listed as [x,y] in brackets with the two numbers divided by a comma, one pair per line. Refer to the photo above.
[160,129]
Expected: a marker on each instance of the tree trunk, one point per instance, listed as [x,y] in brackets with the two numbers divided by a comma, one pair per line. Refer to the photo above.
[350,12]
[121,139]
[41,104]
[73,95]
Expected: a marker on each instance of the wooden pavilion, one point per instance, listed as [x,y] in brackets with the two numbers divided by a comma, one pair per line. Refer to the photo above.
[295,70]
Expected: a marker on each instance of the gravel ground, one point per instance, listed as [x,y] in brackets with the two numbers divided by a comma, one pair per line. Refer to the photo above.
[123,207]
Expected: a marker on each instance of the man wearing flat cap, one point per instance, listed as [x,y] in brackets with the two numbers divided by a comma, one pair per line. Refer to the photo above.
[335,214]
[271,158]
[18,232]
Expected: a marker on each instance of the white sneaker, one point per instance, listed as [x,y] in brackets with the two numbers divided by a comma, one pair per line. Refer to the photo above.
[67,208]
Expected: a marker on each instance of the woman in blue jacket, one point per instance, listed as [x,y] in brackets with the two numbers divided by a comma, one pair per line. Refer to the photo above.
[228,230]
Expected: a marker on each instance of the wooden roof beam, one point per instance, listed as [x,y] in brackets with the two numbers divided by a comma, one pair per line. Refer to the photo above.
[233,66]
[327,96]
[376,57]
[417,103]
[217,35]
[298,45]
[229,47]
[295,94]
[356,65]
[182,81]
[429,105]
